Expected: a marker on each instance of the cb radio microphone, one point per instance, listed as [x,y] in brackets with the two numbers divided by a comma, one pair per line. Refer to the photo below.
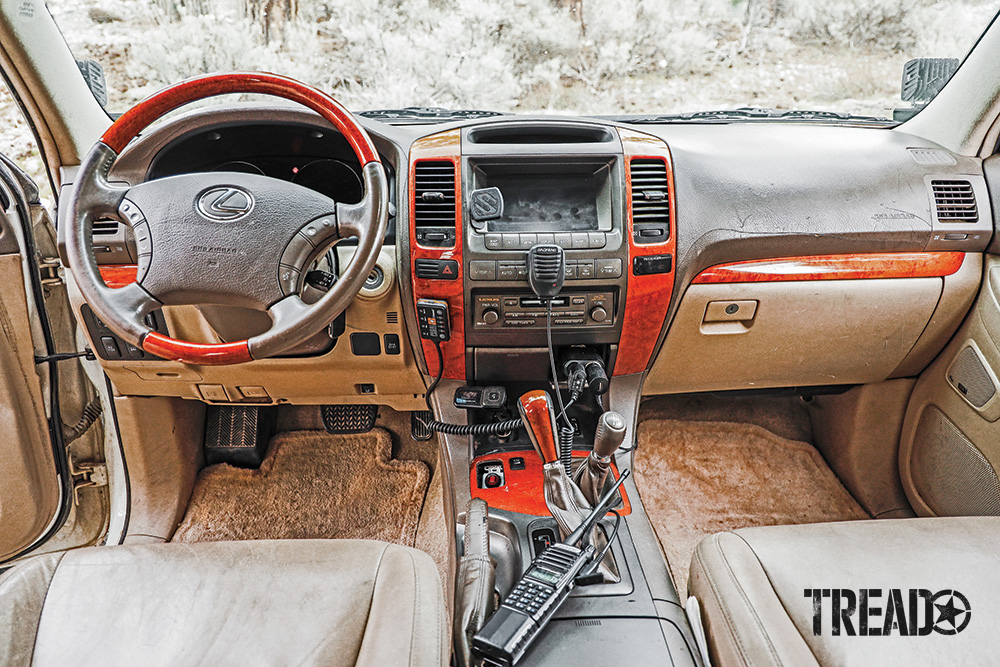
[546,269]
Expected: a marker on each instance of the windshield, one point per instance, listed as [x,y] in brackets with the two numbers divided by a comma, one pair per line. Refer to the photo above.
[588,57]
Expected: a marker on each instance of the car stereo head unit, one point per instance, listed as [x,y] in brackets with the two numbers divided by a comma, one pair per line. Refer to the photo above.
[543,196]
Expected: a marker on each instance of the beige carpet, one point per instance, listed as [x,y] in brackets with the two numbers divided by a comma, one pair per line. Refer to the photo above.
[699,478]
[311,485]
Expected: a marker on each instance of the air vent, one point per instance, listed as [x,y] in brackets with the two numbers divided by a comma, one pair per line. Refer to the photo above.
[954,201]
[434,194]
[650,201]
[392,317]
[105,227]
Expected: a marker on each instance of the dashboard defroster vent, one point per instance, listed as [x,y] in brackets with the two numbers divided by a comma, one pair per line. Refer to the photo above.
[954,201]
[650,200]
[434,202]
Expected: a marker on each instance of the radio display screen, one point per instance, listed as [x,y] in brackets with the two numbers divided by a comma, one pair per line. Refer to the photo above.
[533,202]
[570,196]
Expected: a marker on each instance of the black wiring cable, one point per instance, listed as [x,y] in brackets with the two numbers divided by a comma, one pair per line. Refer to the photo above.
[566,430]
[462,429]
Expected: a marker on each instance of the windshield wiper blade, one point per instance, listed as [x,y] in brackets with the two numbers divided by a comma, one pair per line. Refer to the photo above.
[426,114]
[756,114]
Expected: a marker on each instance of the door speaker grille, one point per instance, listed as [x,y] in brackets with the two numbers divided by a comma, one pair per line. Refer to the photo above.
[968,375]
[949,472]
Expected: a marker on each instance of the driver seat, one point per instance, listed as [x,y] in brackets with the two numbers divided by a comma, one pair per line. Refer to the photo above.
[289,602]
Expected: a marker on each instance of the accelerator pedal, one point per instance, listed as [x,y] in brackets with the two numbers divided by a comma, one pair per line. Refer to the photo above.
[237,435]
[418,424]
[343,419]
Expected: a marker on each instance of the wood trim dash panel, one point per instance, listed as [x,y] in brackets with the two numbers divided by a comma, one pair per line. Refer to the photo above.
[523,491]
[836,267]
[648,296]
[442,146]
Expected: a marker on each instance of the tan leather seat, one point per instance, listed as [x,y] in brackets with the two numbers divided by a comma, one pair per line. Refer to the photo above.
[756,590]
[288,602]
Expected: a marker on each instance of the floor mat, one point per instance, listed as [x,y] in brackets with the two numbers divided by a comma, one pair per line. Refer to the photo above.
[311,485]
[699,478]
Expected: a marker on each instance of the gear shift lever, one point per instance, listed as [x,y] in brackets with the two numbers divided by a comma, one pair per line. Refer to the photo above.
[539,416]
[593,473]
[563,497]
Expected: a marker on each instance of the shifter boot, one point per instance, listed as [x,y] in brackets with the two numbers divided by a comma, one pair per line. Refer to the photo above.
[476,580]
[591,476]
[569,507]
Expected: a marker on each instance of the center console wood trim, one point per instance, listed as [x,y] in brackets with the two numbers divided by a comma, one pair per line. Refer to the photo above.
[437,147]
[522,491]
[647,296]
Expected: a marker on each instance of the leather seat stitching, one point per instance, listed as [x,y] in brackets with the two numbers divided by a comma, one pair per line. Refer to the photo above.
[746,600]
[41,611]
[720,601]
[776,596]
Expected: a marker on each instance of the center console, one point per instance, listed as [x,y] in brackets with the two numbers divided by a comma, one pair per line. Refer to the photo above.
[480,198]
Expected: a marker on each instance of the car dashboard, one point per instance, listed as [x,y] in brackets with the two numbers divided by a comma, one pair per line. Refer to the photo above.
[698,257]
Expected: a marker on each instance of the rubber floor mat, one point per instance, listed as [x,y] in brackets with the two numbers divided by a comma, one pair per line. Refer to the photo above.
[699,478]
[311,485]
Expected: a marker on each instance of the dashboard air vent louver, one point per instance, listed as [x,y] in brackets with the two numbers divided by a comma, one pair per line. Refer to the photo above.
[650,200]
[105,227]
[954,201]
[434,194]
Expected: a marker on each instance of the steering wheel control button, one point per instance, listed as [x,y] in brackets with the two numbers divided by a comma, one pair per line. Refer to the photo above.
[128,210]
[226,203]
[320,230]
[288,280]
[365,344]
[391,343]
[297,252]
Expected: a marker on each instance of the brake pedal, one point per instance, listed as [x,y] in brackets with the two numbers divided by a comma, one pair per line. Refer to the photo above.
[344,419]
[418,424]
[237,435]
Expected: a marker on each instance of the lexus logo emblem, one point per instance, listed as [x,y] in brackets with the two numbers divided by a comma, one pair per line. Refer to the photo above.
[225,204]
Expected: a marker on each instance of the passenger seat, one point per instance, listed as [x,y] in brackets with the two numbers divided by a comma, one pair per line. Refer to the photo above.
[889,592]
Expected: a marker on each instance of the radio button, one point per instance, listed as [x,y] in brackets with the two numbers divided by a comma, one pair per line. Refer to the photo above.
[528,240]
[564,241]
[597,239]
[598,314]
[482,270]
[511,241]
[546,238]
[567,321]
[494,242]
[507,272]
[579,300]
[581,240]
[490,316]
[609,268]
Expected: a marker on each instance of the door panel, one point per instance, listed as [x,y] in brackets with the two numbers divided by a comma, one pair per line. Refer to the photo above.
[29,487]
[950,446]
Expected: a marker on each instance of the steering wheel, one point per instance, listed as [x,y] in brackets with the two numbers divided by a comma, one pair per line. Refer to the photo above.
[223,237]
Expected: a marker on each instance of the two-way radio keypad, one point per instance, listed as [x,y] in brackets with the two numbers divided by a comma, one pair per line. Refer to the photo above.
[528,597]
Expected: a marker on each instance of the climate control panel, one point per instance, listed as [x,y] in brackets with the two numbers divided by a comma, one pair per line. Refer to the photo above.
[526,311]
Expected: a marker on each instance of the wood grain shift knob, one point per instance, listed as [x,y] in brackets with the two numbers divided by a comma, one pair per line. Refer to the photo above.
[539,415]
